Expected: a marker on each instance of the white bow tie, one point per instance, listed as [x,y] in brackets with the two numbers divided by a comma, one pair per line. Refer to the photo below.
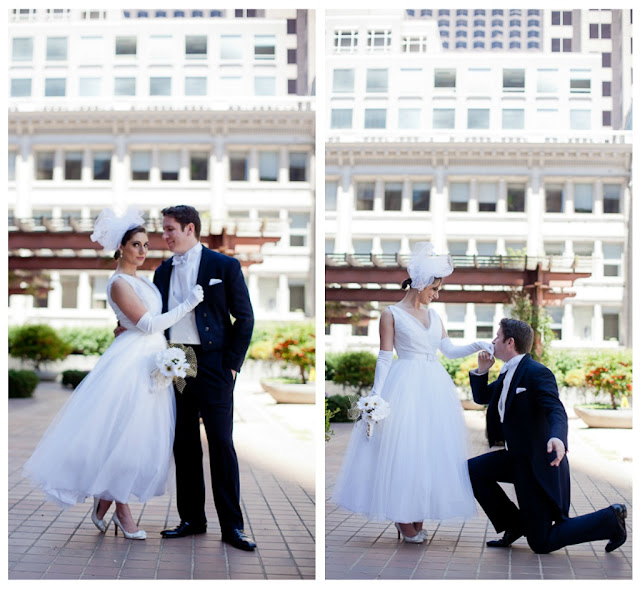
[180,259]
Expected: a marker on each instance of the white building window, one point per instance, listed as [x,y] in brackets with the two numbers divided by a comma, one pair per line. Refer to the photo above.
[365,192]
[516,198]
[375,118]
[159,86]
[330,195]
[238,166]
[341,118]
[329,245]
[195,46]
[580,81]
[140,165]
[267,293]
[459,196]
[513,118]
[69,287]
[484,321]
[55,87]
[268,166]
[610,325]
[379,40]
[343,81]
[298,229]
[409,118]
[554,248]
[611,198]
[612,259]
[296,298]
[583,198]
[298,166]
[416,44]
[199,165]
[264,47]
[392,196]
[231,48]
[444,118]
[487,196]
[390,246]
[580,119]
[377,80]
[362,246]
[195,86]
[554,198]
[420,196]
[89,86]
[513,80]
[486,248]
[476,81]
[456,313]
[73,165]
[160,47]
[477,118]
[126,45]
[345,41]
[444,78]
[22,49]
[124,86]
[169,165]
[101,165]
[56,48]
[91,50]
[410,82]
[264,86]
[457,248]
[20,87]
[44,165]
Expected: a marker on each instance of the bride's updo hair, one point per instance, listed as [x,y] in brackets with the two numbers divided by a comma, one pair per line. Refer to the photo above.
[407,283]
[127,236]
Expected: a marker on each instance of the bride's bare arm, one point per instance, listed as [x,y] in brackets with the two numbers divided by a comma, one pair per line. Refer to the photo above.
[386,331]
[127,300]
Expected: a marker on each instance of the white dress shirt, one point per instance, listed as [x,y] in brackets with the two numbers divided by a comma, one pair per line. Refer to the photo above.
[510,369]
[184,276]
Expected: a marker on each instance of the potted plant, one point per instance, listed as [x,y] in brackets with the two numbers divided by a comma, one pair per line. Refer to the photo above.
[38,344]
[609,374]
[294,347]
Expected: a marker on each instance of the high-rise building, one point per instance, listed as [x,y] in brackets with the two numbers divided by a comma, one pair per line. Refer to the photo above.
[482,154]
[212,108]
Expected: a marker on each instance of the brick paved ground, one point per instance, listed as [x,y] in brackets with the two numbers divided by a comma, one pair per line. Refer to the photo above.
[276,454]
[601,475]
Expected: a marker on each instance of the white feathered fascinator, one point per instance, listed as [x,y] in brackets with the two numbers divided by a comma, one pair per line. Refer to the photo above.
[109,229]
[425,266]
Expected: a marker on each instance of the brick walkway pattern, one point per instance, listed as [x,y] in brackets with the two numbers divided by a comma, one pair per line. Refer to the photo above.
[277,500]
[601,475]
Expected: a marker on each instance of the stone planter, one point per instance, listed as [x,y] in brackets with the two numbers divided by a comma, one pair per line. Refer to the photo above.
[608,418]
[290,392]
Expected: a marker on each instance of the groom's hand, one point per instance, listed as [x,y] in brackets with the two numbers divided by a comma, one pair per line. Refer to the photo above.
[485,362]
[557,445]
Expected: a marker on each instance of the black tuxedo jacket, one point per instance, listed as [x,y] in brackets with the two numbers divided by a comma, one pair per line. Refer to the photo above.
[531,418]
[229,297]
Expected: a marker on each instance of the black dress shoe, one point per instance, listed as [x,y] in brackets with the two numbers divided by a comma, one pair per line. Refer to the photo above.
[509,538]
[620,536]
[185,529]
[237,538]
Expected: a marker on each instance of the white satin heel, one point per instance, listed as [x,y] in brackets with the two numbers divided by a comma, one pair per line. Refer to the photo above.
[139,535]
[417,539]
[101,524]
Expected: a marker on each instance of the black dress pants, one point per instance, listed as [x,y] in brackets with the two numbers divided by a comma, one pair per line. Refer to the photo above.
[209,395]
[537,516]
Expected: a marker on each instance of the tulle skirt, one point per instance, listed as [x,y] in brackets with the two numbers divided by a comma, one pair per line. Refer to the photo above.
[113,438]
[414,466]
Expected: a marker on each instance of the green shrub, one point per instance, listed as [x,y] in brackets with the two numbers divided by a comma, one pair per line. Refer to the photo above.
[87,341]
[355,369]
[38,344]
[328,414]
[451,365]
[22,383]
[339,406]
[73,378]
[261,350]
[330,361]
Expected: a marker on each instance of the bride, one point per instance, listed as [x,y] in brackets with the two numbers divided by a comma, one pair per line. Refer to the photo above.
[113,438]
[414,465]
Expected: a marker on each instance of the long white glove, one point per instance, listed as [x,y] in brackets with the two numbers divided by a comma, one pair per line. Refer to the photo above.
[158,323]
[451,351]
[382,369]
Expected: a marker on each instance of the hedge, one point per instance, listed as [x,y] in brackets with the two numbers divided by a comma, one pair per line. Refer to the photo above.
[22,383]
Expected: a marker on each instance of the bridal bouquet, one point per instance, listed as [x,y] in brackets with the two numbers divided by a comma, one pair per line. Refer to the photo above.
[371,410]
[175,364]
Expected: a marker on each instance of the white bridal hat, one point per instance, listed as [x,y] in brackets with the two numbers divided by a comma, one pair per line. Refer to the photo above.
[425,266]
[109,229]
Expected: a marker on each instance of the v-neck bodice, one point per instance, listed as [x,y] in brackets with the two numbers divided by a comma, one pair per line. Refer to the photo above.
[412,337]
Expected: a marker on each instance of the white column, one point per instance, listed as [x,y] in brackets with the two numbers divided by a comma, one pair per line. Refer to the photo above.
[376,246]
[470,322]
[473,196]
[568,324]
[439,210]
[283,166]
[378,196]
[218,161]
[283,296]
[501,204]
[534,210]
[55,294]
[252,285]
[58,166]
[121,171]
[598,324]
[598,203]
[84,292]
[24,176]
[569,197]
[183,170]
[154,173]
[87,165]
[406,205]
[254,175]
[498,315]
[597,259]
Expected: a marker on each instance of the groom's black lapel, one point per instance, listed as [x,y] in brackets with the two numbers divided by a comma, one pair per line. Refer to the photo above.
[515,382]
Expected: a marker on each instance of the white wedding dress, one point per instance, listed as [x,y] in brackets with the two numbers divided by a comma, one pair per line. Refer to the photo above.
[113,438]
[414,466]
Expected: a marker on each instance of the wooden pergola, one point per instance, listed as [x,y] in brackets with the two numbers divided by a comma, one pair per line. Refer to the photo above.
[353,279]
[37,246]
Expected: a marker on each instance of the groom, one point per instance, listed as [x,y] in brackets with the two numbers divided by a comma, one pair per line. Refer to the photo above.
[220,347]
[526,413]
